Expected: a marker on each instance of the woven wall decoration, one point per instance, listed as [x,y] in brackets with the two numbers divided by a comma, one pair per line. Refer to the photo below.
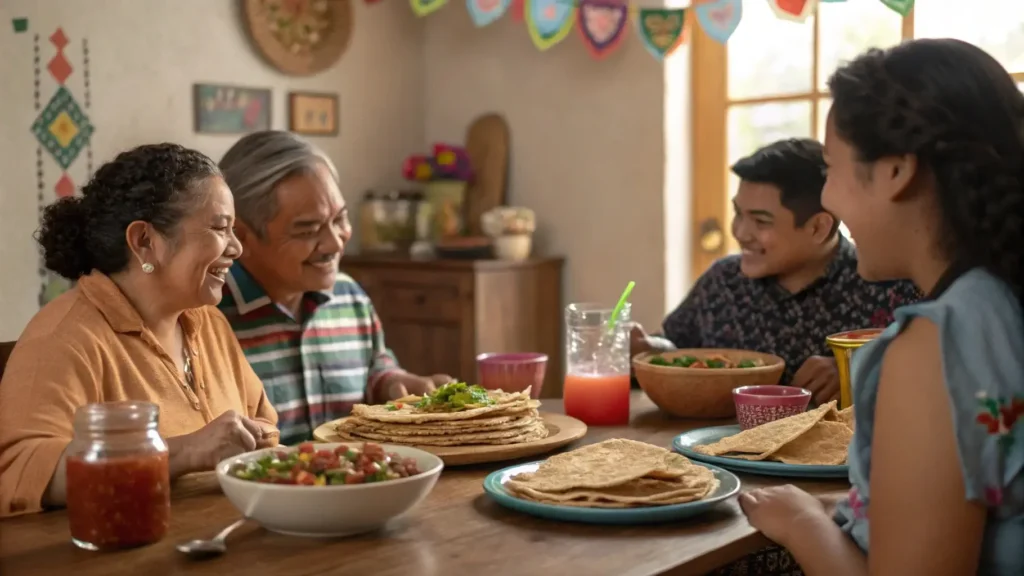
[299,37]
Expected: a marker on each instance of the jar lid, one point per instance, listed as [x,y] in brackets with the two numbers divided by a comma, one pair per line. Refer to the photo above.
[117,416]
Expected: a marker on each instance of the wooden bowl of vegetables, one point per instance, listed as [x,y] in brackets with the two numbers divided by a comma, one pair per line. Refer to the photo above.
[698,383]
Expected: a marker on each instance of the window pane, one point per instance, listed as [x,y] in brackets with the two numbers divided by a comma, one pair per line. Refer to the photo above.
[769,56]
[849,28]
[823,105]
[995,25]
[755,125]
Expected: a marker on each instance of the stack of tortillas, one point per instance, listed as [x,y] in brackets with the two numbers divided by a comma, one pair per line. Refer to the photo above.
[512,419]
[816,437]
[615,474]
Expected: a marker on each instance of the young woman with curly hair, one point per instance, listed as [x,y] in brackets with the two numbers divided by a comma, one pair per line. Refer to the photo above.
[925,148]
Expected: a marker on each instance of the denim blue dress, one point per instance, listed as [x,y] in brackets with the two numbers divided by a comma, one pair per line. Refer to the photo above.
[981,333]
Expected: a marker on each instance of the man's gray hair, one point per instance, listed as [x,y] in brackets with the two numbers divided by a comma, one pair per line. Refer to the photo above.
[255,165]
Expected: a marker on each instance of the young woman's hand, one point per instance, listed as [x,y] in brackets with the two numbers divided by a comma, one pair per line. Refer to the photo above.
[783,513]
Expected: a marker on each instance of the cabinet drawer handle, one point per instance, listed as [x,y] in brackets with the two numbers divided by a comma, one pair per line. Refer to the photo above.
[420,299]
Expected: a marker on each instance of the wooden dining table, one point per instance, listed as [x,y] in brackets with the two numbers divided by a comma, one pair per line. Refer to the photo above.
[457,530]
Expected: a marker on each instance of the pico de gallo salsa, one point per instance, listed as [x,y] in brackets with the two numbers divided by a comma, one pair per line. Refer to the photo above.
[307,466]
[709,362]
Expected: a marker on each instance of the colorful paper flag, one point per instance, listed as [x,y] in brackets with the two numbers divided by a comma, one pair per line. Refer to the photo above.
[720,18]
[794,10]
[662,30]
[602,25]
[549,21]
[901,7]
[518,10]
[424,7]
[484,12]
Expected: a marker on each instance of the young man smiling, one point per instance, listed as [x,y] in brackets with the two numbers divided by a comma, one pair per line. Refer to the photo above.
[794,282]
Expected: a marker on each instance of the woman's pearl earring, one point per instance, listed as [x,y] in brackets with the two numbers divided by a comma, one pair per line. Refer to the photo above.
[148,268]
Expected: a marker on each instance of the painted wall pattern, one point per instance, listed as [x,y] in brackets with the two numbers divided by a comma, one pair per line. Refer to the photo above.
[63,132]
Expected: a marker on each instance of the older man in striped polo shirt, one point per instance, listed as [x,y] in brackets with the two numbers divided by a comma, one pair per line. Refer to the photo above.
[310,333]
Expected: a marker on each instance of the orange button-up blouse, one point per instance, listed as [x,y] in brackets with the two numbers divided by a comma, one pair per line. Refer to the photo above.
[90,345]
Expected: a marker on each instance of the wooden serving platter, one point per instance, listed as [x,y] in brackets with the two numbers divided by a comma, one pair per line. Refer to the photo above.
[562,430]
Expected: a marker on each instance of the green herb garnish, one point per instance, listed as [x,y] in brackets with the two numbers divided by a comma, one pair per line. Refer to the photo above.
[680,362]
[659,361]
[455,396]
[685,361]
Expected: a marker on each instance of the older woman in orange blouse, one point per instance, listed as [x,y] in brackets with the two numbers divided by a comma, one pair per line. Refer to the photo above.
[149,242]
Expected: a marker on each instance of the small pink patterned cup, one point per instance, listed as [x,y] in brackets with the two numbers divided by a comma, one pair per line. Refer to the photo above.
[512,372]
[757,405]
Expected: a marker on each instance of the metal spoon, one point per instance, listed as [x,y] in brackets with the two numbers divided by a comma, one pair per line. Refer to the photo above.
[209,548]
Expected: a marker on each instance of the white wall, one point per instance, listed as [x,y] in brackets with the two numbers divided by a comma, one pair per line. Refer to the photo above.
[144,57]
[589,149]
[600,149]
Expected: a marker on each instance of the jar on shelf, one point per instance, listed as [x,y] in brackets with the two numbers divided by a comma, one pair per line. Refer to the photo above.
[118,477]
[387,220]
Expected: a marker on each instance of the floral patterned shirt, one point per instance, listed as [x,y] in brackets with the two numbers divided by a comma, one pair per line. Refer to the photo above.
[725,309]
[981,332]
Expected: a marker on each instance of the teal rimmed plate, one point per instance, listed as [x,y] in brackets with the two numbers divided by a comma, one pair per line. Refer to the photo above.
[494,485]
[685,442]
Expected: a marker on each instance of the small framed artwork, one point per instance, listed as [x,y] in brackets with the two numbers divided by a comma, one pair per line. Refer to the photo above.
[223,109]
[313,114]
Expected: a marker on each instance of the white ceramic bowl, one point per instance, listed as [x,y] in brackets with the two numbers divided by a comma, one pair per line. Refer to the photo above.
[329,511]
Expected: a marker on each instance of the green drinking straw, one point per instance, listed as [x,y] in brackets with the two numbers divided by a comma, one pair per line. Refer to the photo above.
[618,307]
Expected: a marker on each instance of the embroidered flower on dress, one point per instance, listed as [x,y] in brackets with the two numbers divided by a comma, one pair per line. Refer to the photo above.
[993,496]
[857,505]
[999,416]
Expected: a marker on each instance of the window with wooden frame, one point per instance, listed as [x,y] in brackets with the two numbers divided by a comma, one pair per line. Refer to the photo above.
[769,82]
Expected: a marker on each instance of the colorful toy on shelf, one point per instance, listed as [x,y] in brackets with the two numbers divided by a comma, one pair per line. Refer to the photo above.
[447,162]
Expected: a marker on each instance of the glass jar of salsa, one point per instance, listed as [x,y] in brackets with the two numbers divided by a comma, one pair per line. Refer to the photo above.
[118,480]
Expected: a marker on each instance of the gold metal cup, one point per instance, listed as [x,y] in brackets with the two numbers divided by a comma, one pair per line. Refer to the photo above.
[843,344]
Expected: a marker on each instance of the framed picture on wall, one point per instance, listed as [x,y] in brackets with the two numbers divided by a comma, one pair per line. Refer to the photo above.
[313,114]
[224,109]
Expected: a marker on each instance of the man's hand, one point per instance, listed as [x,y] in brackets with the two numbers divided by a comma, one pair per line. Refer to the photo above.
[820,376]
[640,342]
[402,384]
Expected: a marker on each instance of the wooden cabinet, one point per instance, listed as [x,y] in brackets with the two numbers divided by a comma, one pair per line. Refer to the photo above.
[439,314]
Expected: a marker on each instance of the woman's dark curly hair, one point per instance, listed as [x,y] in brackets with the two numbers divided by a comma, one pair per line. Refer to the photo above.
[156,183]
[955,108]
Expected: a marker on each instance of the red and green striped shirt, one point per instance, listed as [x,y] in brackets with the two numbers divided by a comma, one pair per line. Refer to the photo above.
[316,367]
